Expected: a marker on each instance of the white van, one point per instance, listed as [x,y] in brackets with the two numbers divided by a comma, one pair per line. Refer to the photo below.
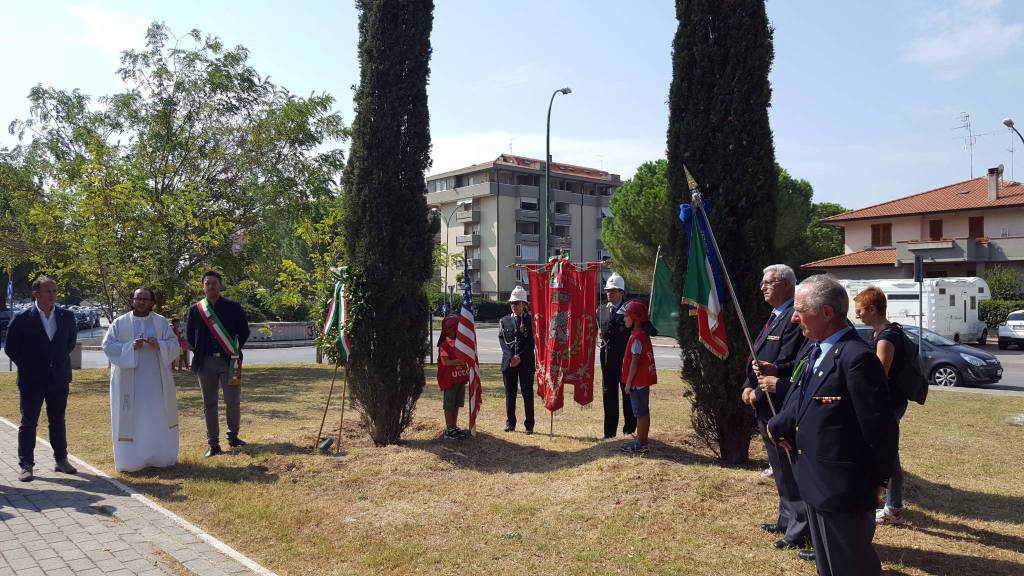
[950,304]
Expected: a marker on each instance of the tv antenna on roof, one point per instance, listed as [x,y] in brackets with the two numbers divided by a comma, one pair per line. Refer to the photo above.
[971,139]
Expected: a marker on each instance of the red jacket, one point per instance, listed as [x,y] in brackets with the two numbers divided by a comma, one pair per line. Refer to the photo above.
[447,374]
[646,372]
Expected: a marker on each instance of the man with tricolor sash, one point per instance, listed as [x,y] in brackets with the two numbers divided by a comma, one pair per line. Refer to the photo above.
[217,329]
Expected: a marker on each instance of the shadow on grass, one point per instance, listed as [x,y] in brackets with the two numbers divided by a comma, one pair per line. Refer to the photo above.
[492,454]
[968,504]
[192,471]
[935,562]
[963,533]
[270,385]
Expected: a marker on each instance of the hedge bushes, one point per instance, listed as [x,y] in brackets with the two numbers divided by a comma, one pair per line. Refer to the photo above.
[995,311]
[486,310]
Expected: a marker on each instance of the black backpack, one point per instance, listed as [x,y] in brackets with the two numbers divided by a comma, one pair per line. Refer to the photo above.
[911,380]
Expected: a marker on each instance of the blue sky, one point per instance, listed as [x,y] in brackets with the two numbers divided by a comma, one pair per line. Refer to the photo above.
[867,95]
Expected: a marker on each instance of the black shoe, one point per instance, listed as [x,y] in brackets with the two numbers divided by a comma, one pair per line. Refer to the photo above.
[26,474]
[608,436]
[236,442]
[784,545]
[529,432]
[510,428]
[806,555]
[772,528]
[213,451]
[64,466]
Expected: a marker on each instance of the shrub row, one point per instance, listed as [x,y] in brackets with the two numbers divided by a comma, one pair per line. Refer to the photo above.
[995,311]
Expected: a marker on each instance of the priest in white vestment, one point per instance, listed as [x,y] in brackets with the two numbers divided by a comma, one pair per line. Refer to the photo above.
[143,407]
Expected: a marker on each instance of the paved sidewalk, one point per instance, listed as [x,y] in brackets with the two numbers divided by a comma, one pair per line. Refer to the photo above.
[85,525]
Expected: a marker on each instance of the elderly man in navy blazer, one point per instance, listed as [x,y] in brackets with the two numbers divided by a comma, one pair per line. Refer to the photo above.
[839,421]
[39,341]
[776,348]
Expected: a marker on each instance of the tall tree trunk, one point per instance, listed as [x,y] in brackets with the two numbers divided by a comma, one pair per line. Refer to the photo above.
[387,235]
[718,128]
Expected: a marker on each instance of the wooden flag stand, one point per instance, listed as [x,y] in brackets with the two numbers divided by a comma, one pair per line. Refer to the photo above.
[327,407]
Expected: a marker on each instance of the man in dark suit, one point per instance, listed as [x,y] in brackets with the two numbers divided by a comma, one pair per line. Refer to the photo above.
[776,349]
[840,422]
[611,320]
[215,356]
[40,341]
[515,335]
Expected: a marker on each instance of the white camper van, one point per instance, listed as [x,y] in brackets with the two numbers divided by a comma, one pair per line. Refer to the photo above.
[950,304]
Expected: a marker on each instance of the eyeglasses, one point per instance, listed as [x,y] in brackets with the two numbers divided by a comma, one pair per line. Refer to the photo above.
[771,282]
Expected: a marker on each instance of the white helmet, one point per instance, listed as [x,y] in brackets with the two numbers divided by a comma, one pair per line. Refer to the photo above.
[518,295]
[615,282]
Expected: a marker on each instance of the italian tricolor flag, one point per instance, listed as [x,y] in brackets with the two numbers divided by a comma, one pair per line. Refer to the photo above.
[702,288]
[337,315]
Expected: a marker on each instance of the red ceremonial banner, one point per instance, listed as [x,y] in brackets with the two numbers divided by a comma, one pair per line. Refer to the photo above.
[564,309]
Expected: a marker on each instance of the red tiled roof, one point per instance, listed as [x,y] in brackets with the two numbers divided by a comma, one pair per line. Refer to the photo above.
[535,164]
[966,195]
[862,258]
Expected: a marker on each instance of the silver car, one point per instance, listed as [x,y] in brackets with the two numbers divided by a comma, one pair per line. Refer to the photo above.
[1011,331]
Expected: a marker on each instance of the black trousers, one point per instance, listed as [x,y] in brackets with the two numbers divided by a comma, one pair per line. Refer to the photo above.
[611,390]
[31,404]
[518,381]
[842,543]
[792,510]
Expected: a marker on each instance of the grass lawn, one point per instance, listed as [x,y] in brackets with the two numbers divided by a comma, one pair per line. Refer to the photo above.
[524,505]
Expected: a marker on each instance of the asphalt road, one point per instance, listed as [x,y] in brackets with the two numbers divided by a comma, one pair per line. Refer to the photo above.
[490,353]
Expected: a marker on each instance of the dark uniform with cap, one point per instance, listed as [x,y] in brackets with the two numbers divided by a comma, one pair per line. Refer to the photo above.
[515,335]
[614,338]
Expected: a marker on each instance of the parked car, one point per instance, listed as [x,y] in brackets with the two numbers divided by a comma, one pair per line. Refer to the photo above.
[950,364]
[1011,330]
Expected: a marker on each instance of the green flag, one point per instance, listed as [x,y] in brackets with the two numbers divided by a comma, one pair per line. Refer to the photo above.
[664,303]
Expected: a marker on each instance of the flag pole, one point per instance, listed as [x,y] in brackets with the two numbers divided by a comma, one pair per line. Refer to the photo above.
[327,407]
[698,201]
[344,388]
[654,274]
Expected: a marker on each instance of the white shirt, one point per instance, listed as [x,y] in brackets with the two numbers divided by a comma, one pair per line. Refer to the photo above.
[49,324]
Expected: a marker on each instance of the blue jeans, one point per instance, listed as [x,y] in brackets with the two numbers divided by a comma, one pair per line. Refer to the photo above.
[894,496]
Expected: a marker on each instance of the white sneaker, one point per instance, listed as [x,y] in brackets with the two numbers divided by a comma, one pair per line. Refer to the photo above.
[767,472]
[889,515]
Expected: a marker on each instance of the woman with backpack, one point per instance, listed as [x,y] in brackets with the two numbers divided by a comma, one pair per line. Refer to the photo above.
[890,347]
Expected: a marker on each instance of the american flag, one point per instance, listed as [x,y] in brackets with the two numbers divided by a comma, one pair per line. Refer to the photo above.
[465,344]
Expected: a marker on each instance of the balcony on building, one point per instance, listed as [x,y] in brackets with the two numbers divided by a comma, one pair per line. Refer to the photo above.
[526,215]
[467,216]
[561,218]
[1003,249]
[559,241]
[466,240]
[522,238]
[474,263]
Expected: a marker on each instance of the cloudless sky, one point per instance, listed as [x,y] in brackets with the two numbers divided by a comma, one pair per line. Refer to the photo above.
[866,95]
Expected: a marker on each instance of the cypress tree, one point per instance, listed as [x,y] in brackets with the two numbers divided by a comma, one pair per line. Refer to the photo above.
[718,128]
[387,237]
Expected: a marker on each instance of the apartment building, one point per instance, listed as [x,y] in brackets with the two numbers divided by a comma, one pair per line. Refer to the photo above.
[959,229]
[490,214]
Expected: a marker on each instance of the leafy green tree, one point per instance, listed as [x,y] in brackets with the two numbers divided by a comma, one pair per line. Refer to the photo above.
[1004,282]
[641,216]
[718,128]
[792,216]
[18,194]
[184,170]
[387,230]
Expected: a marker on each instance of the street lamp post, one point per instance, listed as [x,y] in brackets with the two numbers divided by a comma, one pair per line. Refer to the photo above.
[546,190]
[447,245]
[1009,124]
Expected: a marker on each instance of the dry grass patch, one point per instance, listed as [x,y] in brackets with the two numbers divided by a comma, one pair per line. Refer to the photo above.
[568,504]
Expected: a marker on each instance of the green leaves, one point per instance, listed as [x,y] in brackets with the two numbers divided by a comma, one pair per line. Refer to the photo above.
[196,164]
